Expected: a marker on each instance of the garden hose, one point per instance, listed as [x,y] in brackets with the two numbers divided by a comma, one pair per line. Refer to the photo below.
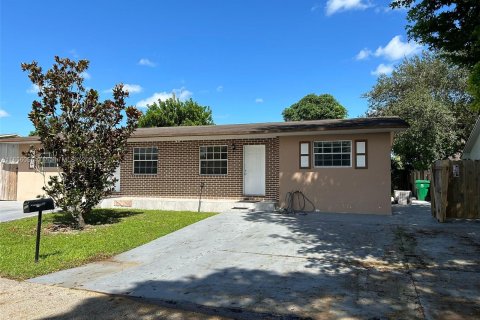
[296,202]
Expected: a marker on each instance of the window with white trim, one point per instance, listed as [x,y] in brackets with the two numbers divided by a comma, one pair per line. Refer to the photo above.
[213,160]
[332,153]
[48,160]
[145,160]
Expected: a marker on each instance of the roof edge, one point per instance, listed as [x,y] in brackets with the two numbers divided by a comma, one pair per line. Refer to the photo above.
[377,124]
[471,139]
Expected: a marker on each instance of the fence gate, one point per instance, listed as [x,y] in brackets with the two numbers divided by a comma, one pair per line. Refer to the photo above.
[439,188]
[455,189]
[8,181]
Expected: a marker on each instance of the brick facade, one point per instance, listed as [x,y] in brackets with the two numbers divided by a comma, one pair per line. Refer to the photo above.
[178,173]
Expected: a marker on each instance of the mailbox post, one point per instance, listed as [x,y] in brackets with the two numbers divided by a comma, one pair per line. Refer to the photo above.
[38,205]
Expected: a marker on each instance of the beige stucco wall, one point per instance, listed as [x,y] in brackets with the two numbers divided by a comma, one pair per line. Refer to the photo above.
[29,181]
[30,184]
[340,189]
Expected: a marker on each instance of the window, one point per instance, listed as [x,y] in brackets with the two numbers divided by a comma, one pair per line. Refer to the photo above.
[213,160]
[361,154]
[145,160]
[47,160]
[305,155]
[332,153]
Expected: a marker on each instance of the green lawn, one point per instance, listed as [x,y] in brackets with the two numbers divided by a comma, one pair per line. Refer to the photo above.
[112,232]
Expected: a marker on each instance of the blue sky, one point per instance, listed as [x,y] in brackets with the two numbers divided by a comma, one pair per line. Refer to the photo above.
[247,60]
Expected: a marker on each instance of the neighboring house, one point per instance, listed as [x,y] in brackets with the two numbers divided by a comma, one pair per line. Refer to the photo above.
[8,168]
[8,135]
[340,165]
[472,147]
[8,152]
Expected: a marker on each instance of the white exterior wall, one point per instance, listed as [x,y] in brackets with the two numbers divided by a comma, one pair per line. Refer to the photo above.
[472,147]
[474,154]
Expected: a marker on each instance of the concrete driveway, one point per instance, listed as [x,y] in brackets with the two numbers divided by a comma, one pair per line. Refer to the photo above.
[321,266]
[12,210]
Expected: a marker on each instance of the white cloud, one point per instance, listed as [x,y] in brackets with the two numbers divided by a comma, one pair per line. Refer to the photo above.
[131,88]
[383,9]
[315,7]
[382,69]
[388,10]
[74,53]
[33,88]
[396,49]
[363,54]
[147,62]
[85,75]
[3,113]
[182,94]
[259,100]
[219,88]
[334,6]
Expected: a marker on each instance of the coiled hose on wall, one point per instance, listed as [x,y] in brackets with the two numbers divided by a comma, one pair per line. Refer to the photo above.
[296,202]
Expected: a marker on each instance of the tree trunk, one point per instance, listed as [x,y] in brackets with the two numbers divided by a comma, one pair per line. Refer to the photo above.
[80,220]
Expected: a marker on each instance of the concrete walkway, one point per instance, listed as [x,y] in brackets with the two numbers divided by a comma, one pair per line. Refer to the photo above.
[323,266]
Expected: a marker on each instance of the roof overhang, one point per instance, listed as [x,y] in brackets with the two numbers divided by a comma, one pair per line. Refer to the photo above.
[259,136]
[257,130]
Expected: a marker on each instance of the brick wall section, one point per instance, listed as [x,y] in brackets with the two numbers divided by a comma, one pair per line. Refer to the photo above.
[178,173]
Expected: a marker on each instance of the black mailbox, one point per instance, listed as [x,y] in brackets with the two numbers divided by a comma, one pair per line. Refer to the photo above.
[38,205]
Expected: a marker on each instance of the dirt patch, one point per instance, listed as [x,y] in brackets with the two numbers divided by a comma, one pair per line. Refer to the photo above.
[63,229]
[24,300]
[380,265]
[59,228]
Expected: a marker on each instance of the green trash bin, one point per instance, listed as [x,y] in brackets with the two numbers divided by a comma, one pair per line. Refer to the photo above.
[422,188]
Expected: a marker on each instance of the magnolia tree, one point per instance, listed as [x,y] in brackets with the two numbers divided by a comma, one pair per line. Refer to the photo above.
[87,137]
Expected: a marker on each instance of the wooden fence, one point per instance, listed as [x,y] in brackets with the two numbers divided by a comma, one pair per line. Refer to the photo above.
[455,189]
[8,181]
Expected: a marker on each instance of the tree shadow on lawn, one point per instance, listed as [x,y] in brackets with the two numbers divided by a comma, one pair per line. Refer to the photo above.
[97,217]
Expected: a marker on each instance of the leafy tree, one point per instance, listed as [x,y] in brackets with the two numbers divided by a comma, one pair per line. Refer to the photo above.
[430,136]
[86,135]
[430,94]
[474,86]
[173,112]
[315,107]
[449,26]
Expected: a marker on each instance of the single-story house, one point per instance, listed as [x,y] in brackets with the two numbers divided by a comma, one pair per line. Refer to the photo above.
[340,165]
[472,147]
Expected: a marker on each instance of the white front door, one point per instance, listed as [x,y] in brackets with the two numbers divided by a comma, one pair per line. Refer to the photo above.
[254,170]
